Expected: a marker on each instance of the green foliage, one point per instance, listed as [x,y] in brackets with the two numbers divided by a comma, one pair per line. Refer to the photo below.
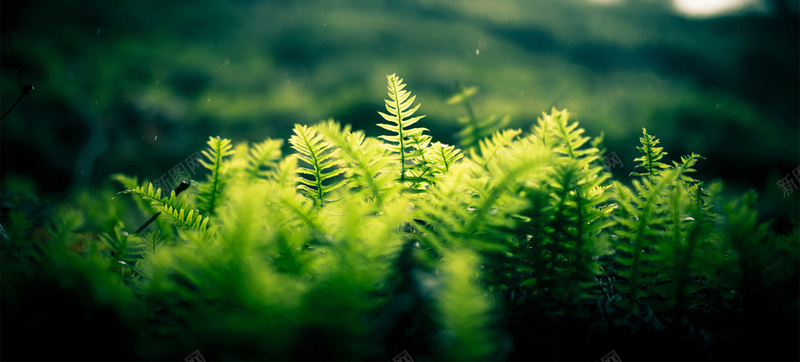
[651,156]
[211,190]
[263,157]
[364,159]
[406,143]
[354,247]
[322,164]
[465,310]
[176,208]
[569,210]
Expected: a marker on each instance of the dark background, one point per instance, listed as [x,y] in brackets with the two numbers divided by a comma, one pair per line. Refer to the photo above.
[138,86]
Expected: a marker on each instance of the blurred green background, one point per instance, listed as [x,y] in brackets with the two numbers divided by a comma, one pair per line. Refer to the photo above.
[138,86]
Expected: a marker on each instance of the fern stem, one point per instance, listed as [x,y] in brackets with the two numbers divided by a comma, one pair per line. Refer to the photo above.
[183,186]
[215,183]
[401,137]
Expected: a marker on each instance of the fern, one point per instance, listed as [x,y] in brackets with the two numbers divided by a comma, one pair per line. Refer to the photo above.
[637,236]
[364,159]
[651,156]
[402,140]
[128,183]
[465,310]
[323,166]
[656,229]
[176,208]
[211,190]
[568,211]
[262,157]
[475,210]
[285,172]
[368,246]
[129,251]
[421,171]
[442,157]
[153,240]
[494,147]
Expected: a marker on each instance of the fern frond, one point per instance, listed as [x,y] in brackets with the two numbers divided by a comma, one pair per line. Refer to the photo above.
[262,157]
[420,171]
[474,206]
[400,107]
[290,210]
[323,166]
[145,192]
[191,219]
[568,136]
[493,147]
[364,159]
[683,246]
[555,132]
[651,156]
[211,190]
[154,241]
[442,157]
[126,249]
[285,173]
[567,211]
[176,208]
[685,166]
[131,182]
[639,237]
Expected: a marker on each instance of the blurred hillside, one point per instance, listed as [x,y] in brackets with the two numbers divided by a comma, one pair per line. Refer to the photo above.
[138,86]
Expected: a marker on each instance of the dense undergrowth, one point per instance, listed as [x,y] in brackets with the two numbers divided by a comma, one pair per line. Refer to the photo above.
[517,245]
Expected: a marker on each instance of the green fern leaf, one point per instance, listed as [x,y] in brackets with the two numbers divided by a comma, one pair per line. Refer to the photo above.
[211,191]
[285,172]
[651,156]
[364,159]
[442,157]
[323,166]
[685,166]
[638,237]
[125,248]
[262,157]
[400,108]
[494,147]
[176,208]
[421,171]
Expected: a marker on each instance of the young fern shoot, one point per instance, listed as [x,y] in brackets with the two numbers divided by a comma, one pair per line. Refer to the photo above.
[211,190]
[651,156]
[404,138]
[322,168]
